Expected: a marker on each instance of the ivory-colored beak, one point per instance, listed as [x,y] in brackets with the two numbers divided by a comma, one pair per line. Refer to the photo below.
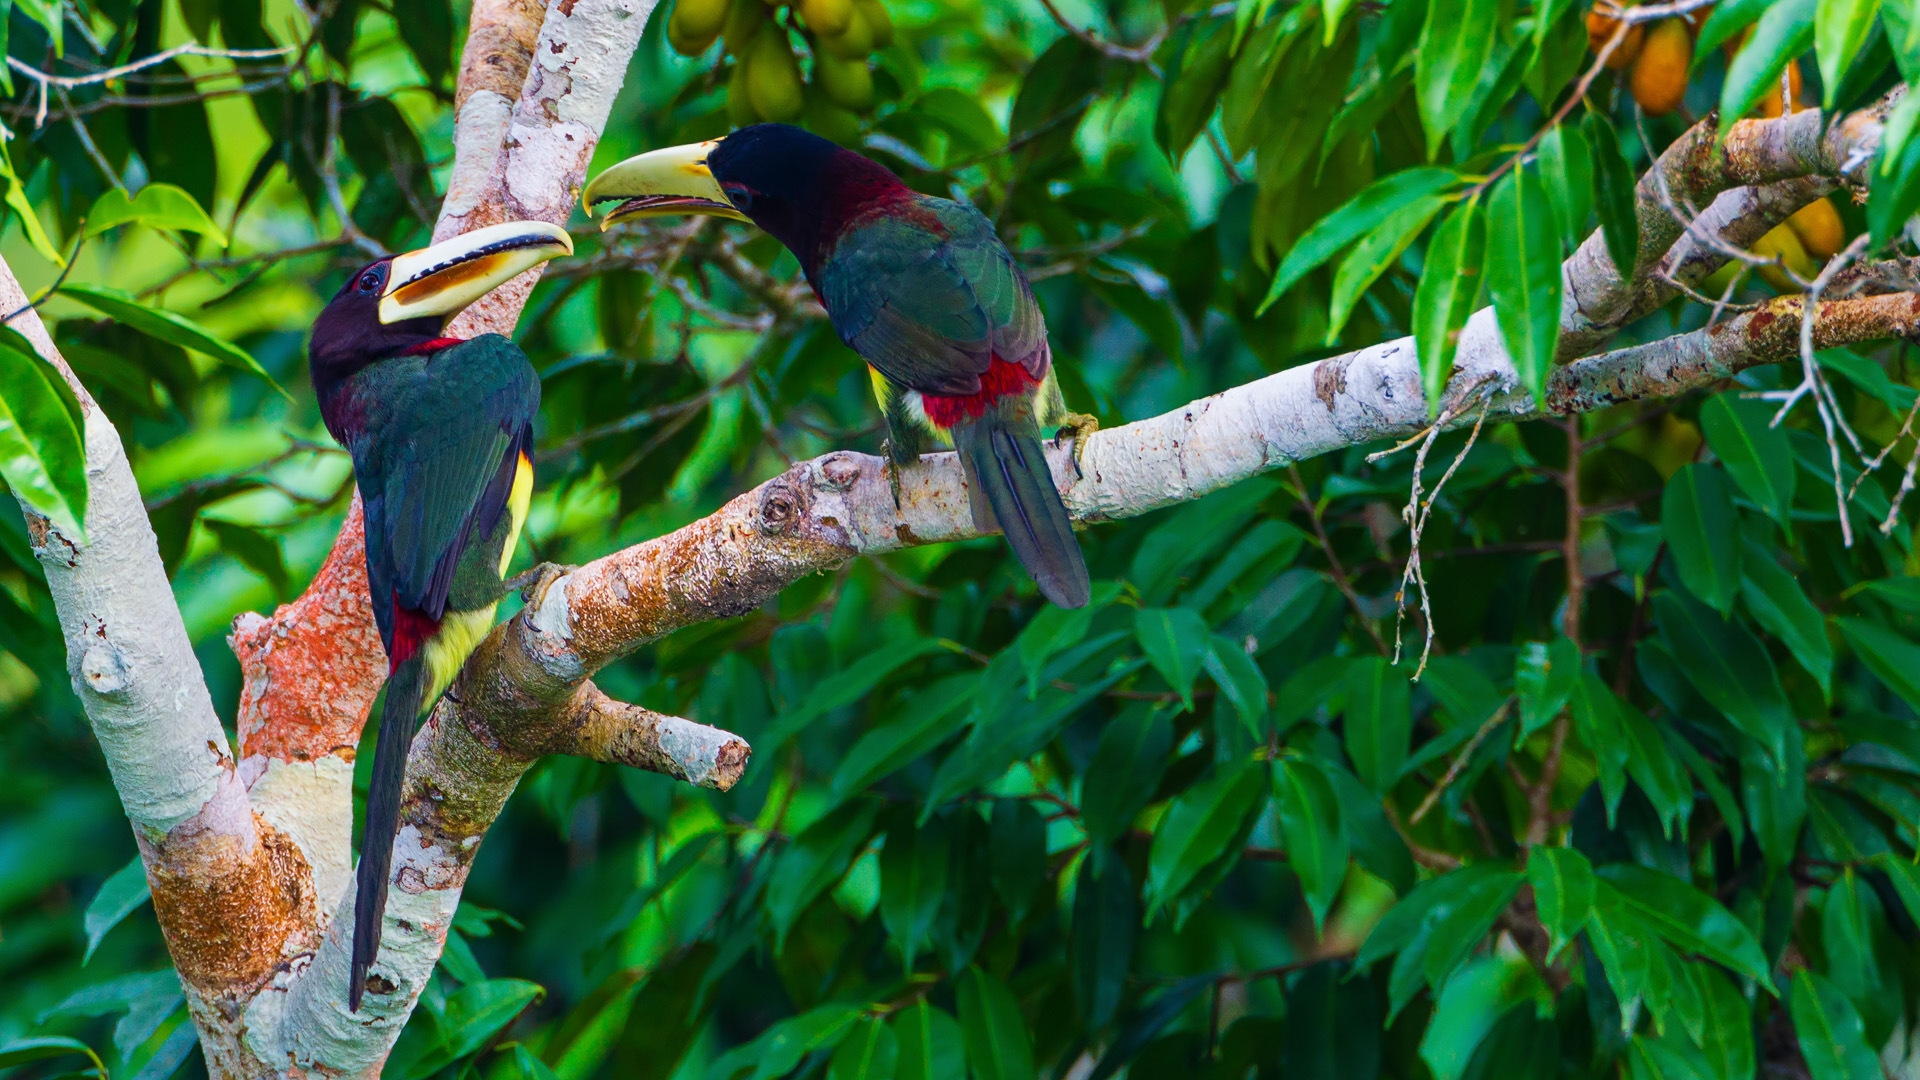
[659,183]
[446,277]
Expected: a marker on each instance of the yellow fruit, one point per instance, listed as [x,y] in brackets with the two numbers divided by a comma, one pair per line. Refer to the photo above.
[1770,105]
[739,105]
[744,20]
[1600,30]
[1783,242]
[694,25]
[1818,226]
[773,76]
[826,16]
[854,43]
[1659,78]
[846,83]
[877,18]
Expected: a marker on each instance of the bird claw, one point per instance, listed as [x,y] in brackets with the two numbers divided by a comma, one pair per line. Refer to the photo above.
[892,467]
[533,584]
[1082,425]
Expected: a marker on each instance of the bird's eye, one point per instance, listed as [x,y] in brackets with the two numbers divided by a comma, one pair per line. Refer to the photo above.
[739,196]
[370,281]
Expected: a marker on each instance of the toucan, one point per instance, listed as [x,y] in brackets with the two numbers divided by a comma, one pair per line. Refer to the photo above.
[440,430]
[922,288]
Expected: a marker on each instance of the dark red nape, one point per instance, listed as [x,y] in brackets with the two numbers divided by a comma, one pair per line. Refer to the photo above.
[434,345]
[1000,379]
[411,629]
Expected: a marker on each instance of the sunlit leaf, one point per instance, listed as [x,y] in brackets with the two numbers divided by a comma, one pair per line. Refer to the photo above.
[165,325]
[1782,33]
[159,206]
[1449,288]
[1523,274]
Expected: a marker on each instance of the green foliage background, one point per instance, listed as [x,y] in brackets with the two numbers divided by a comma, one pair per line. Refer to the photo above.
[1173,833]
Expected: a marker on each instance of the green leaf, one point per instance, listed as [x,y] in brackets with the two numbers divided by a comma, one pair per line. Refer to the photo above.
[1630,953]
[1544,676]
[931,718]
[1523,273]
[1613,193]
[1566,165]
[814,861]
[22,1051]
[16,197]
[1774,792]
[159,206]
[1237,676]
[781,1048]
[1727,20]
[1132,753]
[1356,217]
[1051,631]
[1847,922]
[1331,13]
[1832,1039]
[1726,1037]
[1519,1044]
[1729,667]
[1371,837]
[1018,835]
[1449,287]
[1658,1059]
[1200,828]
[1454,46]
[42,454]
[1685,916]
[1777,602]
[998,1046]
[1890,656]
[1784,32]
[1869,376]
[428,33]
[1202,60]
[1175,641]
[1661,778]
[1562,881]
[1901,593]
[118,897]
[530,1067]
[931,1044]
[1839,30]
[1315,840]
[1697,516]
[847,686]
[166,326]
[1379,721]
[1757,454]
[1376,252]
[477,1012]
[1408,927]
[1455,937]
[1596,716]
[1106,922]
[871,1052]
[913,881]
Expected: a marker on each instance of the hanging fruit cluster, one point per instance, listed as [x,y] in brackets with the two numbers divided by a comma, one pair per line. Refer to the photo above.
[766,83]
[1655,57]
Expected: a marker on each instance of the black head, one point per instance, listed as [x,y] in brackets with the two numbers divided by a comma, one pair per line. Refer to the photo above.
[349,333]
[789,182]
[795,184]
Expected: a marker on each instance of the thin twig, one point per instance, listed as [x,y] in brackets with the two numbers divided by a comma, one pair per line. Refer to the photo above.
[1460,763]
[1133,54]
[47,80]
[1579,94]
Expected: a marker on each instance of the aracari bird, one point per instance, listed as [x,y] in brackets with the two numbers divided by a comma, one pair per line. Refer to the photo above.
[440,430]
[925,292]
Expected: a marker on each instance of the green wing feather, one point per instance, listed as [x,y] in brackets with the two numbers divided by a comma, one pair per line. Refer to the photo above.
[451,419]
[931,311]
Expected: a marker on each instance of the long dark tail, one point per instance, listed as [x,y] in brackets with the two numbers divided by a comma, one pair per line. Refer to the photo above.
[405,687]
[1004,463]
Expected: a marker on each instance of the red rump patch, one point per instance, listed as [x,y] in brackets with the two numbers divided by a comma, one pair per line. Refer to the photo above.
[411,629]
[1000,379]
[432,346]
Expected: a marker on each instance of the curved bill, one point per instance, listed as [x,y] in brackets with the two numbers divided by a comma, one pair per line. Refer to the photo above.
[661,182]
[445,278]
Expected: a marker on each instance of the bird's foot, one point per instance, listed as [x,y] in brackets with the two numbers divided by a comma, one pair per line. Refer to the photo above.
[1082,426]
[533,584]
[892,465]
